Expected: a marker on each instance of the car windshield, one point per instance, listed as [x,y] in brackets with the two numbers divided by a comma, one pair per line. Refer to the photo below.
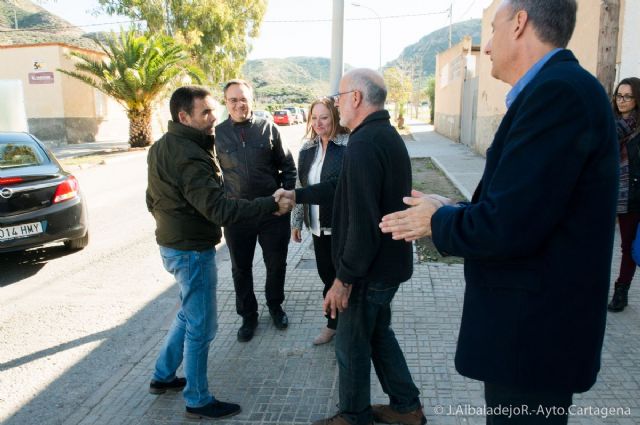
[21,154]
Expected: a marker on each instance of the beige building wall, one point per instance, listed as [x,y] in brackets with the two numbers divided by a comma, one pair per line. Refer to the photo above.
[67,110]
[492,93]
[451,71]
[41,100]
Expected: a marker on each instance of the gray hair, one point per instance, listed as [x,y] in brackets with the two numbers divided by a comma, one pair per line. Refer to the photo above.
[553,20]
[370,84]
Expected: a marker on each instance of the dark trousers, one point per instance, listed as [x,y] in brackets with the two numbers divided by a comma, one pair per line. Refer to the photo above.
[365,335]
[272,233]
[628,224]
[512,406]
[324,263]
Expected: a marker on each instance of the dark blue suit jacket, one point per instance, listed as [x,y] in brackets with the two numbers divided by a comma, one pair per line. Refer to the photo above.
[537,237]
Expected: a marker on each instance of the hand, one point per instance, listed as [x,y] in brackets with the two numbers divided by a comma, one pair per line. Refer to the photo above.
[296,235]
[414,222]
[285,205]
[443,200]
[337,298]
[290,194]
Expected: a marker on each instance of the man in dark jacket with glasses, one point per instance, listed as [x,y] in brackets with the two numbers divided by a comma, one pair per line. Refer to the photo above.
[254,163]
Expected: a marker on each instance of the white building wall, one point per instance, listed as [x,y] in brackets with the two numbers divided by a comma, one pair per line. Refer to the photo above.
[630,45]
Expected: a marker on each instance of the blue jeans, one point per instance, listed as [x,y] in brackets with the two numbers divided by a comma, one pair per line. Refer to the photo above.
[195,324]
[365,335]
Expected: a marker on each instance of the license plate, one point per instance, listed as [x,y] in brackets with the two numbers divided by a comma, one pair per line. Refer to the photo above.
[21,231]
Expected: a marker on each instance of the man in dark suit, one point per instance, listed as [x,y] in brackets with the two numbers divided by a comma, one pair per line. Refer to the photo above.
[537,235]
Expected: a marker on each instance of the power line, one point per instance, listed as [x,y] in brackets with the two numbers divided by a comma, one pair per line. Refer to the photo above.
[468,9]
[412,15]
[65,27]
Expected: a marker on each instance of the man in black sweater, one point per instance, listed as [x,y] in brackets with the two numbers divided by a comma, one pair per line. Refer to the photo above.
[186,199]
[369,265]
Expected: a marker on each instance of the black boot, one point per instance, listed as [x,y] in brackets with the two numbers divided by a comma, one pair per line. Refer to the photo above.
[620,298]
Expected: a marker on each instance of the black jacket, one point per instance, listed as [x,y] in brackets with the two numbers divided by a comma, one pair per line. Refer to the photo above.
[537,237]
[331,167]
[633,149]
[375,176]
[184,192]
[253,160]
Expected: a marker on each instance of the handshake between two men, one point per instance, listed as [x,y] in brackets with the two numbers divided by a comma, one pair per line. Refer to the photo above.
[286,200]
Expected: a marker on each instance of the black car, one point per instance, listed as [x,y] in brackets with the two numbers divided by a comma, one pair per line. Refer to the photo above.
[40,202]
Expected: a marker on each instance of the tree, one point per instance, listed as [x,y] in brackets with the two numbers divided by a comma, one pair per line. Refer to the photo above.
[399,87]
[135,71]
[430,92]
[215,31]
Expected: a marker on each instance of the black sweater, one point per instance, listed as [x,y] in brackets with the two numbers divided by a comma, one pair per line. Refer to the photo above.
[376,175]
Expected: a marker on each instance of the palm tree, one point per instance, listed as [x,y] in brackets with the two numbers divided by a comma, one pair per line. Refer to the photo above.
[136,70]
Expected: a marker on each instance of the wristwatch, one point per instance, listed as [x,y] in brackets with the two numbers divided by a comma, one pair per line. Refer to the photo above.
[346,285]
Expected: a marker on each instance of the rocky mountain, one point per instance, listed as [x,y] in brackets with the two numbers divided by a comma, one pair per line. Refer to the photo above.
[36,25]
[300,79]
[423,53]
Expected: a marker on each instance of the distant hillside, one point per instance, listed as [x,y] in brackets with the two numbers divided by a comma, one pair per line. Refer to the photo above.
[295,80]
[424,51]
[37,25]
[300,79]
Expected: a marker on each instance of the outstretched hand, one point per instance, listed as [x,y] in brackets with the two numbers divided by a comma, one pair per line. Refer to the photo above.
[414,222]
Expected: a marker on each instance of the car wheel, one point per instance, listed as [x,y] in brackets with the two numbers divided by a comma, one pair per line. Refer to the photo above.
[79,243]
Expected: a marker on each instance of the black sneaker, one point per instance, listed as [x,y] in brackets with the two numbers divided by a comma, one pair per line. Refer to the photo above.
[279,317]
[157,387]
[214,410]
[249,325]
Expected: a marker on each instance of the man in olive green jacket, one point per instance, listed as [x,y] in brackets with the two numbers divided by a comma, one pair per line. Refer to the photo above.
[186,198]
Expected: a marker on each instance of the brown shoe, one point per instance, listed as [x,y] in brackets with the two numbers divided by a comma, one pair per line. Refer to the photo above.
[334,420]
[383,413]
[326,335]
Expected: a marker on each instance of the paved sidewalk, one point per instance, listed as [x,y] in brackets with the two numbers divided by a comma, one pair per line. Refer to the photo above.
[281,378]
[82,149]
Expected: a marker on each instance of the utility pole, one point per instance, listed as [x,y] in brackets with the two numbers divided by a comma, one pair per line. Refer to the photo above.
[608,43]
[450,21]
[15,14]
[337,43]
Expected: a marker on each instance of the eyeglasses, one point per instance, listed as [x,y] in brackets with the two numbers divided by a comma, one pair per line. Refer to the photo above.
[336,96]
[624,98]
[233,101]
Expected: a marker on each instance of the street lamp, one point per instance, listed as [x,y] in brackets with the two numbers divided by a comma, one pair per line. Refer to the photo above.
[379,32]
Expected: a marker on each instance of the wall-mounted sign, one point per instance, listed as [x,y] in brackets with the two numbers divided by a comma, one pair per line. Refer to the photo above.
[41,78]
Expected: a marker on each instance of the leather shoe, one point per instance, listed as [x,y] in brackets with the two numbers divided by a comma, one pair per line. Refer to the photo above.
[326,335]
[334,420]
[383,413]
[159,387]
[214,410]
[249,325]
[279,317]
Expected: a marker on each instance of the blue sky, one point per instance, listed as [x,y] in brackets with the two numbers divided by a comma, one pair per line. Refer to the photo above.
[303,27]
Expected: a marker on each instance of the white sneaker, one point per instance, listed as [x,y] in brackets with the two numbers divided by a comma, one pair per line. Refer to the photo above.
[326,335]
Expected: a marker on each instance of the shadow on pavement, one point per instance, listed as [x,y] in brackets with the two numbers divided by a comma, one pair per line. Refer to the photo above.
[20,265]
